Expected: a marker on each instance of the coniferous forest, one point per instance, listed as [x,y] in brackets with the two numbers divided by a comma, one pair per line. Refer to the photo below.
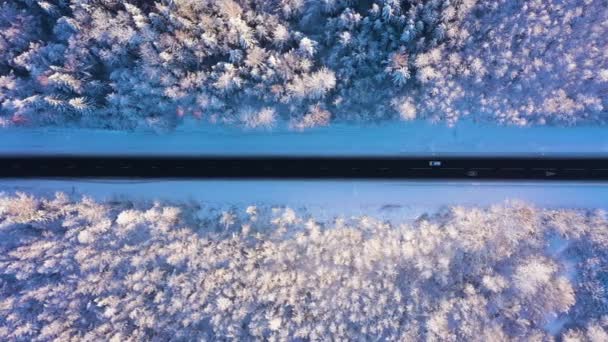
[83,270]
[253,63]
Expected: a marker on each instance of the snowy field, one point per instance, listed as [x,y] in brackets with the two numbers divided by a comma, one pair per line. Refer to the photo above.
[395,138]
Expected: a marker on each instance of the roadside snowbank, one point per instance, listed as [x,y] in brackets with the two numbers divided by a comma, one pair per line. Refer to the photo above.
[395,138]
[326,198]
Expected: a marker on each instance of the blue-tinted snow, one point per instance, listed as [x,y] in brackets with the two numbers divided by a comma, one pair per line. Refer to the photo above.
[325,199]
[394,138]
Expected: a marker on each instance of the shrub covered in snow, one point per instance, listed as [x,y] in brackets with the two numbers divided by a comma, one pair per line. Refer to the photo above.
[87,271]
[129,64]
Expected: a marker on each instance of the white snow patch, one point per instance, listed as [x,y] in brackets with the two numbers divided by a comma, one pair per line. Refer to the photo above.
[556,245]
[555,324]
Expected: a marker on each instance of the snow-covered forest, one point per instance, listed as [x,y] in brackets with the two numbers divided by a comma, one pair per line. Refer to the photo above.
[255,63]
[79,270]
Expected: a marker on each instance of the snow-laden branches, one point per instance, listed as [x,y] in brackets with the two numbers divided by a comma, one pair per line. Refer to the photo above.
[136,64]
[88,271]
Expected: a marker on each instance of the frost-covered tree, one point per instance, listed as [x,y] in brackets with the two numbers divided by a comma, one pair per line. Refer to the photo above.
[148,64]
[117,270]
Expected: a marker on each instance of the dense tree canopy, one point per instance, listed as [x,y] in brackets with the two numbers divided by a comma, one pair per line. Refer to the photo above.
[253,63]
[79,270]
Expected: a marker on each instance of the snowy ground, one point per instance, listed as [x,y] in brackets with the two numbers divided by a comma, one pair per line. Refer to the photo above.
[395,138]
[325,199]
[399,198]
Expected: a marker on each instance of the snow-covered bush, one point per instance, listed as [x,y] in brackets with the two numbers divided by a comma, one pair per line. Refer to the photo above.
[87,271]
[131,64]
